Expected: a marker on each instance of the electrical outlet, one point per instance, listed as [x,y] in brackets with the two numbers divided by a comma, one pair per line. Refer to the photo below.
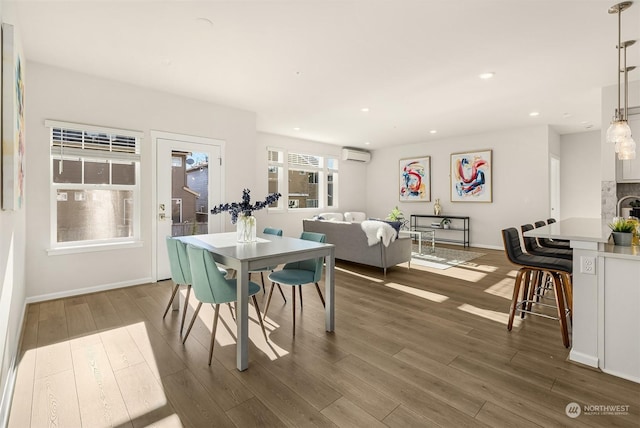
[588,265]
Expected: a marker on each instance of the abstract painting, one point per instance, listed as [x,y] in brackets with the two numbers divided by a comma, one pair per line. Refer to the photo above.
[471,177]
[415,179]
[13,125]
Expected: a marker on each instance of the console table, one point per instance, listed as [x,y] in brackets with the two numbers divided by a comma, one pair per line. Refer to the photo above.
[457,233]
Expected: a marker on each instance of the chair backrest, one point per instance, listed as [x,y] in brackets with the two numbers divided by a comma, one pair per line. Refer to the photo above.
[209,285]
[272,231]
[540,224]
[529,243]
[551,220]
[511,240]
[178,261]
[313,265]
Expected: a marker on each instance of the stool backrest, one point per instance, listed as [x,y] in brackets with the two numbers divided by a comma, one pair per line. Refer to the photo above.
[209,285]
[529,243]
[540,223]
[272,231]
[551,220]
[512,248]
[178,261]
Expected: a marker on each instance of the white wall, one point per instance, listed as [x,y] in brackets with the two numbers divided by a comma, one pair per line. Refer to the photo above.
[520,181]
[351,182]
[54,93]
[580,175]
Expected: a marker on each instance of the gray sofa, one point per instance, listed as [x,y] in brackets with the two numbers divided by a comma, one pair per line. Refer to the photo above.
[351,244]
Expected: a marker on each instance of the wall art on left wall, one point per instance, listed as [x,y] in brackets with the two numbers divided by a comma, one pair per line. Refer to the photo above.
[13,124]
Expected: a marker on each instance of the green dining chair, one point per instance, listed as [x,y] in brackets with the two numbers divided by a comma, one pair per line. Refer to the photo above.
[210,286]
[269,231]
[180,273]
[297,274]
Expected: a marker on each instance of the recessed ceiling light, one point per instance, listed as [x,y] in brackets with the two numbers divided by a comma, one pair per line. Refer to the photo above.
[433,131]
[364,109]
[204,21]
[567,115]
[487,75]
[534,113]
[366,143]
[296,129]
[584,122]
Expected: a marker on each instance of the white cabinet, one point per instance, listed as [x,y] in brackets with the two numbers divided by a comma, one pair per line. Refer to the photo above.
[628,171]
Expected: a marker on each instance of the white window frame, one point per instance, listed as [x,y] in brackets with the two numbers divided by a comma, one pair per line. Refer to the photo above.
[55,247]
[323,171]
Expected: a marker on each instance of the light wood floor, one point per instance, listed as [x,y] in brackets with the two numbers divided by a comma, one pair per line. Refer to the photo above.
[420,347]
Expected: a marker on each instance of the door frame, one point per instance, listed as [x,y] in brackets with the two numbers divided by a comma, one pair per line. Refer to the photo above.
[553,161]
[162,135]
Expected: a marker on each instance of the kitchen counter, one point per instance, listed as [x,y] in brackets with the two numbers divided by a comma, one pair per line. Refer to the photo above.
[606,296]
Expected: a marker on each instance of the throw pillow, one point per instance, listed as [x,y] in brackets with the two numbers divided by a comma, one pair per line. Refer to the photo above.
[395,224]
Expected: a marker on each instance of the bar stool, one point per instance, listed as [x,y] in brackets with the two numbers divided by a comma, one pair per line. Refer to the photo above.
[551,243]
[532,247]
[559,272]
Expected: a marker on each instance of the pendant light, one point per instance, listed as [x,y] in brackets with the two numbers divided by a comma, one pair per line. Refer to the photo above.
[619,132]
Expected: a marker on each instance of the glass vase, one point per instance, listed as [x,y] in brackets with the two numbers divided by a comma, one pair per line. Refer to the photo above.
[246,228]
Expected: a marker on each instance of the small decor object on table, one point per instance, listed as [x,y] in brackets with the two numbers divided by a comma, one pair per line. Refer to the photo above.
[242,214]
[446,223]
[437,209]
[622,231]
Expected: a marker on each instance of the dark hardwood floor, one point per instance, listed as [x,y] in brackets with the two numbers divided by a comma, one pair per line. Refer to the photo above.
[417,348]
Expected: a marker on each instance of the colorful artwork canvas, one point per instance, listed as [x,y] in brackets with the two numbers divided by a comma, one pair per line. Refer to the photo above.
[13,125]
[415,179]
[471,177]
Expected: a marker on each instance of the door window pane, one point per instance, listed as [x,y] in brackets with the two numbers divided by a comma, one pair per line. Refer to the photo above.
[69,172]
[123,173]
[96,172]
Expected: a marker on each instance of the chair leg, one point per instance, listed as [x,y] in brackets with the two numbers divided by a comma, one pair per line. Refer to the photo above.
[195,315]
[320,294]
[184,310]
[300,291]
[255,303]
[567,286]
[273,285]
[213,331]
[557,288]
[173,295]
[293,299]
[282,293]
[262,279]
[233,317]
[514,299]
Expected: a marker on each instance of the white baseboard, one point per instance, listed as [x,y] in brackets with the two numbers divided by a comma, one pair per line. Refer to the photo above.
[488,247]
[587,360]
[95,289]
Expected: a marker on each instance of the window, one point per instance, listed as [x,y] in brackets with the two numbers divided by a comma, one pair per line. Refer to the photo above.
[311,179]
[95,189]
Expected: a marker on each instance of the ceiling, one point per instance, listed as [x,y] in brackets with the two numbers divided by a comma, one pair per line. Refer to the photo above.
[309,67]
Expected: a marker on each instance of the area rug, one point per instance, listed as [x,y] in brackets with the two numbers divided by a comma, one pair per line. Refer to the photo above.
[442,258]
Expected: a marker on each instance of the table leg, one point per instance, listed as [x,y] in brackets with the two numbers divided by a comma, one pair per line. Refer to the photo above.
[242,318]
[329,291]
[419,242]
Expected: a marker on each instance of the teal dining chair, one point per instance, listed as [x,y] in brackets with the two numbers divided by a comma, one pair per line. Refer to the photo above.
[269,231]
[180,273]
[210,286]
[297,274]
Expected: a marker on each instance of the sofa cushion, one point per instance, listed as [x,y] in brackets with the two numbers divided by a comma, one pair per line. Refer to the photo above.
[332,216]
[355,216]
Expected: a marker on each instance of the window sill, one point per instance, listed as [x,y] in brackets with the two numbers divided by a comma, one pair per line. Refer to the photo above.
[94,247]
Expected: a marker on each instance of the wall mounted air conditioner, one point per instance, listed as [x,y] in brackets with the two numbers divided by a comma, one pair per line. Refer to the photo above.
[356,155]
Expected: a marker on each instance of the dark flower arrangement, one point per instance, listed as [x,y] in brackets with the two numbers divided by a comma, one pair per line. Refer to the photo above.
[245,207]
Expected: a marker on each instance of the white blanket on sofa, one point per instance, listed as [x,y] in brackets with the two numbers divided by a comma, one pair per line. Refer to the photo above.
[377,230]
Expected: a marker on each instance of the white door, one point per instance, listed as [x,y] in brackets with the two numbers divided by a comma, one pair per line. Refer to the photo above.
[554,188]
[188,185]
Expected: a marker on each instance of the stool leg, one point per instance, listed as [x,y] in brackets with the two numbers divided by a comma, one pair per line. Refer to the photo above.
[525,290]
[514,299]
[559,293]
[568,292]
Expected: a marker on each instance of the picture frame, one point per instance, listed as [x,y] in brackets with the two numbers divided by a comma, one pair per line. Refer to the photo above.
[13,122]
[471,176]
[415,179]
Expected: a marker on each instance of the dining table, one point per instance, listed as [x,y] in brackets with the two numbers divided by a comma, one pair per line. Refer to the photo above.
[267,250]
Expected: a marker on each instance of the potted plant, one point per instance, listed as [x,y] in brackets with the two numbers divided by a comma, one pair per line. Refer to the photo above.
[622,231]
[396,214]
[445,223]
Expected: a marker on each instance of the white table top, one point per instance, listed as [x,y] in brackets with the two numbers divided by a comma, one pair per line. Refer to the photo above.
[574,229]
